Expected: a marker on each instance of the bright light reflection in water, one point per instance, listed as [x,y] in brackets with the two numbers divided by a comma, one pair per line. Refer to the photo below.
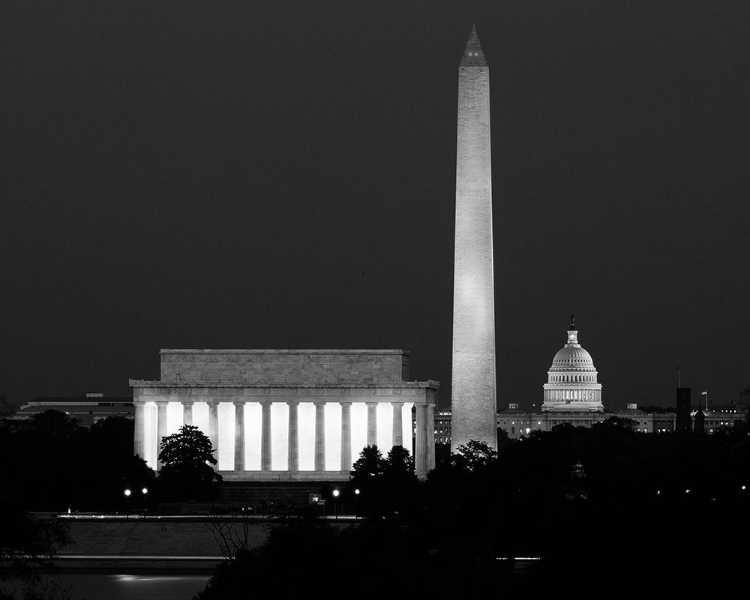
[128,578]
[125,586]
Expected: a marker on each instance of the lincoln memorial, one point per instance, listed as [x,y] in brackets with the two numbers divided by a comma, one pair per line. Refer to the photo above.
[288,415]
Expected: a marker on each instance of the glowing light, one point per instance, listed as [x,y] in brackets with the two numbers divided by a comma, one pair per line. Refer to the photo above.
[174,417]
[336,493]
[226,436]
[150,443]
[253,428]
[127,492]
[332,412]
[279,436]
[200,416]
[306,436]
[359,430]
[144,491]
[384,420]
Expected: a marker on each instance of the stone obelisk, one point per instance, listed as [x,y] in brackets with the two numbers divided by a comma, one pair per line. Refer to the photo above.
[473,398]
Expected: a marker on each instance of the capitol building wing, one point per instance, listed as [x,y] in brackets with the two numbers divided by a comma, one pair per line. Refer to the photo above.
[571,380]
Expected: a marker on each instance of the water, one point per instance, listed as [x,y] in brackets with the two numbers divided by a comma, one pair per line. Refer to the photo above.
[131,586]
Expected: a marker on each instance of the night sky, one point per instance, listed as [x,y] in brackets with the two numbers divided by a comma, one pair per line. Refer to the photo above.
[182,174]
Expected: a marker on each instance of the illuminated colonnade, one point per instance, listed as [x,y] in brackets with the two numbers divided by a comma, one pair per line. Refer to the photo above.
[308,420]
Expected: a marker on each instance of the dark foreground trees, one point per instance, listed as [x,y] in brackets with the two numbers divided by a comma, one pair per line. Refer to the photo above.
[383,486]
[603,510]
[187,459]
[57,464]
[371,559]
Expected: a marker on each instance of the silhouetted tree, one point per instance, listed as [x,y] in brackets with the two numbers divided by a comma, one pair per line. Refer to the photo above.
[386,485]
[111,467]
[187,472]
[474,456]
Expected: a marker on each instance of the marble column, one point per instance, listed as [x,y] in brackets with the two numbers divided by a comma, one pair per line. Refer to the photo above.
[398,423]
[187,412]
[239,436]
[140,433]
[161,426]
[420,444]
[293,437]
[320,436]
[265,437]
[430,431]
[213,426]
[346,436]
[372,423]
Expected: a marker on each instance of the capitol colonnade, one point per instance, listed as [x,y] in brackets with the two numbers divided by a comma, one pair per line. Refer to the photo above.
[288,414]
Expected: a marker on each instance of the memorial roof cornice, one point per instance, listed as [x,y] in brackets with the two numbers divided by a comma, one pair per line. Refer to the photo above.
[250,385]
[283,351]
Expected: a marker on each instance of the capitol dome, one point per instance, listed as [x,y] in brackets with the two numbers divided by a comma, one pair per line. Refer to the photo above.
[572,379]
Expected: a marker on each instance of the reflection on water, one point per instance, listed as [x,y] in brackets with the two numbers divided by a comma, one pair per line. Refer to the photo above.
[130,586]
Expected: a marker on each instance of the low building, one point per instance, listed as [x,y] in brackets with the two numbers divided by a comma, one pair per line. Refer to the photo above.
[517,423]
[86,409]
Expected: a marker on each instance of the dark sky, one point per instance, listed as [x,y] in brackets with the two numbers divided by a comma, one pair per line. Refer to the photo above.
[182,174]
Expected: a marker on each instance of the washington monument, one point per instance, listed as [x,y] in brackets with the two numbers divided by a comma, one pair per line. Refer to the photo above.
[473,398]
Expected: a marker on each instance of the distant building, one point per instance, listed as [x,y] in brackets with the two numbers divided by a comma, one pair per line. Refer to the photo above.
[684,418]
[517,423]
[87,409]
[572,395]
[720,415]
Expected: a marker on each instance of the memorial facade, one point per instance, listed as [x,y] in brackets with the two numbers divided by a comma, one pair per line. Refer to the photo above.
[288,415]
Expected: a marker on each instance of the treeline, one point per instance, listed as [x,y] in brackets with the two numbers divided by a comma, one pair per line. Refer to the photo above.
[600,511]
[52,463]
[597,508]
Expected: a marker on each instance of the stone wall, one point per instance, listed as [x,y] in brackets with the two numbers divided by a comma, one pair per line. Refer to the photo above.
[279,367]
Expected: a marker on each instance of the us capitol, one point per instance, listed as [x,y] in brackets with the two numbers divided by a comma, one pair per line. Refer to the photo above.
[573,396]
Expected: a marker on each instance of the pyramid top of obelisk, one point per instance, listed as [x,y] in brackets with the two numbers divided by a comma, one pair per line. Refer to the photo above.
[473,53]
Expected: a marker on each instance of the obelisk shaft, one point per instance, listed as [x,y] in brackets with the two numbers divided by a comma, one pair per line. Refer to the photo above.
[473,393]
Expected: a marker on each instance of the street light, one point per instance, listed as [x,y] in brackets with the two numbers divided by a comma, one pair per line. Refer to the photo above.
[335,503]
[144,491]
[127,493]
[356,503]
